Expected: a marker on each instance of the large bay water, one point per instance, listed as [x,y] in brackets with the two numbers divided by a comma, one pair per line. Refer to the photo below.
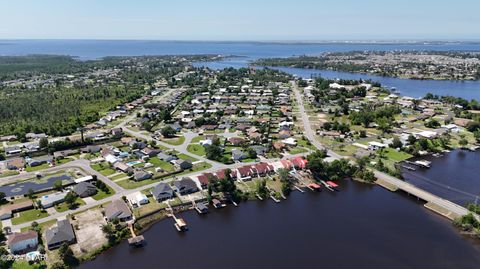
[93,49]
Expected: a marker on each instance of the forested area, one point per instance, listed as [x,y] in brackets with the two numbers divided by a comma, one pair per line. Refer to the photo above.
[36,95]
[56,111]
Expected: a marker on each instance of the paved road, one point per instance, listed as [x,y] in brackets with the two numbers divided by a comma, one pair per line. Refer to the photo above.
[422,194]
[309,133]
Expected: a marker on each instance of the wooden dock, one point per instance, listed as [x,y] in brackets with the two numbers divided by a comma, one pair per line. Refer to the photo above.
[135,241]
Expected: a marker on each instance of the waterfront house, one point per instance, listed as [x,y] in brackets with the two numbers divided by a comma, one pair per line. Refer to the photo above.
[185,186]
[85,189]
[22,242]
[137,199]
[204,179]
[162,192]
[61,234]
[117,209]
[244,173]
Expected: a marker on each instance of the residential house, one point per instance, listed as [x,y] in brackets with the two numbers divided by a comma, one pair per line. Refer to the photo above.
[61,234]
[185,186]
[238,155]
[140,174]
[117,209]
[85,189]
[40,160]
[183,164]
[22,242]
[122,167]
[137,199]
[162,192]
[7,210]
[52,199]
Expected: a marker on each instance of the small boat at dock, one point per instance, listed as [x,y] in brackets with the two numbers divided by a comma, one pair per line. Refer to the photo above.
[423,163]
[408,167]
[314,187]
[217,204]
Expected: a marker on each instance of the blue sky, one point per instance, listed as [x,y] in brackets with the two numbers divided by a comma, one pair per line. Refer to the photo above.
[240,19]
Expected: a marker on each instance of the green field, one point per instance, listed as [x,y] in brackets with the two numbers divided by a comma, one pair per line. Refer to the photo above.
[396,156]
[101,194]
[36,168]
[175,141]
[62,207]
[196,149]
[166,166]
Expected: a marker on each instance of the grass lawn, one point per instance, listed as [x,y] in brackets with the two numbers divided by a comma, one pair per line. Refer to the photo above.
[196,149]
[36,168]
[101,194]
[175,141]
[186,157]
[298,150]
[29,215]
[397,156]
[64,207]
[132,184]
[166,166]
[107,172]
[197,139]
[64,160]
[122,175]
[248,160]
[23,264]
[43,225]
[9,173]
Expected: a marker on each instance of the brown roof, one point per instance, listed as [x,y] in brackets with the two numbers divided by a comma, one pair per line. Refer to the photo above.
[5,209]
[19,237]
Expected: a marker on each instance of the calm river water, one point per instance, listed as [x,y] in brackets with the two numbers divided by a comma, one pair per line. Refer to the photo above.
[359,227]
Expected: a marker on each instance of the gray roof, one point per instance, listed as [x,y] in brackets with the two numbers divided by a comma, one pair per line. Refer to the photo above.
[84,188]
[162,189]
[141,175]
[117,209]
[185,184]
[63,232]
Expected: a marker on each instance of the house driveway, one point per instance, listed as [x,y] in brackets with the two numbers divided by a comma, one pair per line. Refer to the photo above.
[88,200]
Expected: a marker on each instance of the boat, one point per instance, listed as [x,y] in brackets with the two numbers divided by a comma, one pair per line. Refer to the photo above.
[423,163]
[408,167]
[314,187]
[217,204]
[329,185]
